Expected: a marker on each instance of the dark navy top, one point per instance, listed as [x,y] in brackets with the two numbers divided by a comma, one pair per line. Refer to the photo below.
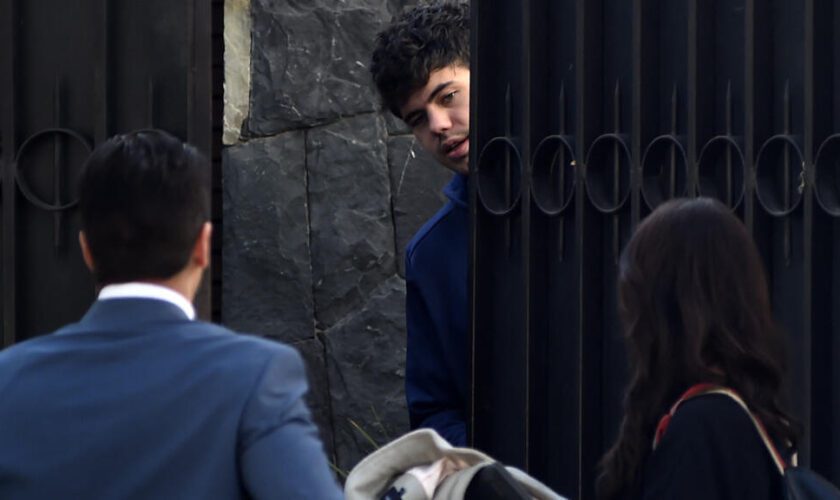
[436,316]
[711,449]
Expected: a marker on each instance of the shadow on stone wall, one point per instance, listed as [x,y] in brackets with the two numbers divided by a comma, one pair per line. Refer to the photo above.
[321,195]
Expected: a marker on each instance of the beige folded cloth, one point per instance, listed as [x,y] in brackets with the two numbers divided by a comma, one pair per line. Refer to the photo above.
[421,465]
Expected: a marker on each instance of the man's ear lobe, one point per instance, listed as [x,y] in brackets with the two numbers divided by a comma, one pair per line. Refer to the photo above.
[86,255]
[201,250]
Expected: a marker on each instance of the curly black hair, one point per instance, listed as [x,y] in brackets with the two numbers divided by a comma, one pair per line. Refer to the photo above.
[423,39]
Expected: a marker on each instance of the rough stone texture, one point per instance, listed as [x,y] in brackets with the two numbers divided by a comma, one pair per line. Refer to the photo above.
[352,228]
[395,7]
[395,125]
[310,215]
[417,181]
[365,362]
[266,278]
[310,61]
[237,84]
[318,397]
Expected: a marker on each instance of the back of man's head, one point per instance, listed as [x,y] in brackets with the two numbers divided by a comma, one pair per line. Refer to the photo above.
[143,198]
[426,38]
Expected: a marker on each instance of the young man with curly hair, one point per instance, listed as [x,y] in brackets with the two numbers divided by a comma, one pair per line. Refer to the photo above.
[421,68]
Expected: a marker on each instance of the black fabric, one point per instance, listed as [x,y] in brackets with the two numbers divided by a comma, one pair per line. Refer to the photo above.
[711,450]
[495,482]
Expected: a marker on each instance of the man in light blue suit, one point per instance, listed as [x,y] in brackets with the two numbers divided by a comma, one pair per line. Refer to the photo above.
[138,399]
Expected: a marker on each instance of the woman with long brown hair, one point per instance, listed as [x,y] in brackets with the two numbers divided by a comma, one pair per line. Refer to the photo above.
[695,309]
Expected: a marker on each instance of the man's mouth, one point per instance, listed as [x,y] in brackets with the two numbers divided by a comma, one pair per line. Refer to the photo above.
[456,149]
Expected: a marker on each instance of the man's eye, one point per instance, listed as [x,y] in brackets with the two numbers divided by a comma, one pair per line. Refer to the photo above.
[416,121]
[449,97]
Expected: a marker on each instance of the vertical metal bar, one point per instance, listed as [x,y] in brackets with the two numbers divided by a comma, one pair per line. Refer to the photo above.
[201,41]
[786,175]
[101,102]
[672,185]
[200,77]
[587,440]
[561,111]
[638,107]
[200,107]
[58,163]
[525,190]
[475,26]
[9,136]
[191,21]
[691,95]
[561,176]
[809,138]
[728,111]
[506,173]
[616,228]
[151,114]
[749,113]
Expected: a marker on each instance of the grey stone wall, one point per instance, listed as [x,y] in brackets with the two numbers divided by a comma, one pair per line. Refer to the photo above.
[322,191]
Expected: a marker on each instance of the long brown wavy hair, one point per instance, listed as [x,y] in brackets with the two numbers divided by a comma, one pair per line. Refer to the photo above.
[694,307]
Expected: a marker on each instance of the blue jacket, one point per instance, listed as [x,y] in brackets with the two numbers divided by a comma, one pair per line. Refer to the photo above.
[436,316]
[137,401]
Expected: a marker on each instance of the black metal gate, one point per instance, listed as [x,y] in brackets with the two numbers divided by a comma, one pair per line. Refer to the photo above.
[73,73]
[586,115]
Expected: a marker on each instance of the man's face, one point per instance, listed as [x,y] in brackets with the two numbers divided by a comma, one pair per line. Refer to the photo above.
[439,116]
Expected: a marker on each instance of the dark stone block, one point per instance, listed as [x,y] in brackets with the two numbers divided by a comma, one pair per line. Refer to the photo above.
[366,366]
[417,181]
[310,61]
[352,230]
[318,398]
[395,125]
[396,7]
[267,277]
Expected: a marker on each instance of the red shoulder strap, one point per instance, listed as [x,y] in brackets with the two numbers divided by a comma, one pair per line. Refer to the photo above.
[694,390]
[701,389]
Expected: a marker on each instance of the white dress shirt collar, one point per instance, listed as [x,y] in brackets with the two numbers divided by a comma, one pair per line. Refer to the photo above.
[137,290]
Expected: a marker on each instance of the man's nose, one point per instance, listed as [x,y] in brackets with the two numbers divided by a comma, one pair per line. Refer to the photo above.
[439,122]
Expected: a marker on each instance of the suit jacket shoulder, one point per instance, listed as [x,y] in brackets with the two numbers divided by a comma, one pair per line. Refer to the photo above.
[162,406]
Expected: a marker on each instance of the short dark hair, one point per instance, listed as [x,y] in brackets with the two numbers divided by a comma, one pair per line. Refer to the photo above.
[426,38]
[143,198]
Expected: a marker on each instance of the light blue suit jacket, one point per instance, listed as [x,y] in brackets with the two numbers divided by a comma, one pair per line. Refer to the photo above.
[137,401]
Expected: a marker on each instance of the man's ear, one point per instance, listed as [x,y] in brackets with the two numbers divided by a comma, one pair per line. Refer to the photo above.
[86,255]
[201,250]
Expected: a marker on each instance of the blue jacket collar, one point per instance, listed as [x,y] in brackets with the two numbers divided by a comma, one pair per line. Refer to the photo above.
[130,312]
[458,191]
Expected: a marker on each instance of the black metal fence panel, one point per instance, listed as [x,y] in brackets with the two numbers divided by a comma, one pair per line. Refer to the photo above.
[71,75]
[587,115]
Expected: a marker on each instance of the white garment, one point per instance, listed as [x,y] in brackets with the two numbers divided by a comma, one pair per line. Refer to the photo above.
[430,476]
[138,290]
[421,465]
